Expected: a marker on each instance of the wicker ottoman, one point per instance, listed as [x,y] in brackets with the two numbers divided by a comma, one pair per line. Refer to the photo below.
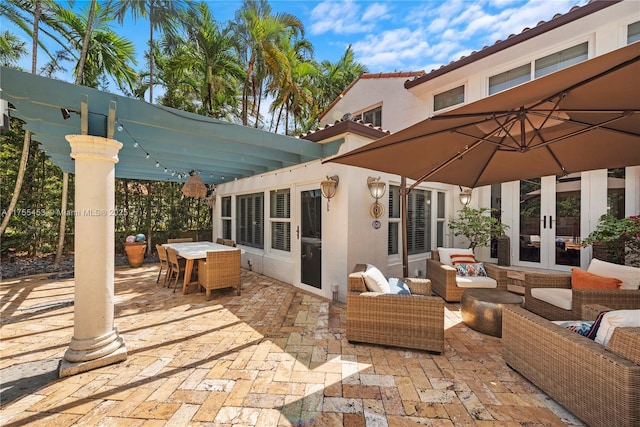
[481,309]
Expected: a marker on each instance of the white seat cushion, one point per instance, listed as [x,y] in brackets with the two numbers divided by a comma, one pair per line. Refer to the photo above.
[630,276]
[476,282]
[559,297]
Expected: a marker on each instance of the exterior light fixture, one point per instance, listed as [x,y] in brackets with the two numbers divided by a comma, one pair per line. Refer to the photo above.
[328,187]
[377,189]
[465,196]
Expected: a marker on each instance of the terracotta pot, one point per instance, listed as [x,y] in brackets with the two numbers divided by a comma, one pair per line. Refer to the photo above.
[135,252]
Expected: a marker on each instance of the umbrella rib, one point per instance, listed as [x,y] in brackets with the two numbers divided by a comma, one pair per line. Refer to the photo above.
[589,128]
[447,162]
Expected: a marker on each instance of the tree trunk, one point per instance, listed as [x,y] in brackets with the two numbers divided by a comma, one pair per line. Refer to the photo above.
[63,218]
[150,52]
[19,179]
[27,134]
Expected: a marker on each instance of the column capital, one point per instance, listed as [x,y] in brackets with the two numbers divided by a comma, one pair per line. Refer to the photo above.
[94,147]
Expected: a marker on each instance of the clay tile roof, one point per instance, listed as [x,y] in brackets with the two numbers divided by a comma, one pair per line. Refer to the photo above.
[346,125]
[576,12]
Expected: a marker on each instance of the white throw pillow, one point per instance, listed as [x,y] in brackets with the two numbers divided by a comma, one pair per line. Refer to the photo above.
[614,319]
[375,280]
[630,276]
[445,254]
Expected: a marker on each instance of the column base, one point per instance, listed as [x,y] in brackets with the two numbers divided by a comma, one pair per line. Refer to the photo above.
[66,368]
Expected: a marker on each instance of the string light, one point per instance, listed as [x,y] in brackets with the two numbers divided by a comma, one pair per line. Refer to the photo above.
[181,175]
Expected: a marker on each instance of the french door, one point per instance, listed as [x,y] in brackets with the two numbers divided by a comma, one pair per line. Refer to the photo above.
[549,222]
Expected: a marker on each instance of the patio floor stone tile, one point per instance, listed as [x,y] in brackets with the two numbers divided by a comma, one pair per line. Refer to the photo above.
[273,356]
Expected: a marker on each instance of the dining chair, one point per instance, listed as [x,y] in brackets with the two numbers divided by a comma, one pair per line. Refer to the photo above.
[220,240]
[164,263]
[221,269]
[230,242]
[175,267]
[180,240]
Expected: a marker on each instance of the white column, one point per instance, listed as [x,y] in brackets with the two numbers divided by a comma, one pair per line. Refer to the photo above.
[95,341]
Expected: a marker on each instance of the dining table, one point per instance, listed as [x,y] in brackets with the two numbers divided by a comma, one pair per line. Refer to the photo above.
[192,251]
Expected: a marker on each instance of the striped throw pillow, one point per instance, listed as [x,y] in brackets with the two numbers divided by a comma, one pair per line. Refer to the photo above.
[462,258]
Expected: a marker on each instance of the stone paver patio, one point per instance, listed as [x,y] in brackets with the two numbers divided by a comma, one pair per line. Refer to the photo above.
[274,356]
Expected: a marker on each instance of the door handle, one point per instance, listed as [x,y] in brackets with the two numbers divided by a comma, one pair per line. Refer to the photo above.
[544,222]
[550,222]
[298,232]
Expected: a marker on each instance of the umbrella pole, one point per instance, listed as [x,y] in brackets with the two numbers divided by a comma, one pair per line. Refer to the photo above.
[404,191]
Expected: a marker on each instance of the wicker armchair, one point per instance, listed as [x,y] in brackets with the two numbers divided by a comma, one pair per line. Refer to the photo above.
[618,299]
[410,321]
[221,269]
[598,384]
[443,278]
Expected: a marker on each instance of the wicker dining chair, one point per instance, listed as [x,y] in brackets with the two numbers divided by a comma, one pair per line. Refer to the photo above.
[221,269]
[180,240]
[220,240]
[175,267]
[230,242]
[164,263]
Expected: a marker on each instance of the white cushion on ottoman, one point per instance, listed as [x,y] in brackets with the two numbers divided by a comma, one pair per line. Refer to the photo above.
[559,297]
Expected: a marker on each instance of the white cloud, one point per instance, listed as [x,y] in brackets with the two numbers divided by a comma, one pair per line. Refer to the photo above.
[375,12]
[346,17]
[392,49]
[413,35]
[340,17]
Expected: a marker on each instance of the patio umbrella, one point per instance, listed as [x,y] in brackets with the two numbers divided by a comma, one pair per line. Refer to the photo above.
[583,117]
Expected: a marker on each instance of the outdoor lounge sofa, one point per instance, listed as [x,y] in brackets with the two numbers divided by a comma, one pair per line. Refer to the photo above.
[551,295]
[446,283]
[400,320]
[598,384]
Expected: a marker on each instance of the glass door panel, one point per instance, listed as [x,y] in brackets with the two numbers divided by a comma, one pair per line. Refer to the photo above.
[567,221]
[311,238]
[530,199]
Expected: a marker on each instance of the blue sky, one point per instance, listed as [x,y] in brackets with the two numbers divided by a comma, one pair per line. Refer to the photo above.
[390,35]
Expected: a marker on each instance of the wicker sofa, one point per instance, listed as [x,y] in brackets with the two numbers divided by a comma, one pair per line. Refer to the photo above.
[618,299]
[410,321]
[443,278]
[598,384]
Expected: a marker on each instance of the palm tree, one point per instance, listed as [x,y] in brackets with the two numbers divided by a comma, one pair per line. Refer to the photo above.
[293,90]
[162,15]
[106,52]
[337,76]
[260,34]
[11,48]
[209,53]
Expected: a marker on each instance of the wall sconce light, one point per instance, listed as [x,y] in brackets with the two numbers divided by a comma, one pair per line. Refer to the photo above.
[66,113]
[377,189]
[328,187]
[465,196]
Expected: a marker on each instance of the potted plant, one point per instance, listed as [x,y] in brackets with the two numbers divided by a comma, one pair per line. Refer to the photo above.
[613,237]
[135,247]
[477,225]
